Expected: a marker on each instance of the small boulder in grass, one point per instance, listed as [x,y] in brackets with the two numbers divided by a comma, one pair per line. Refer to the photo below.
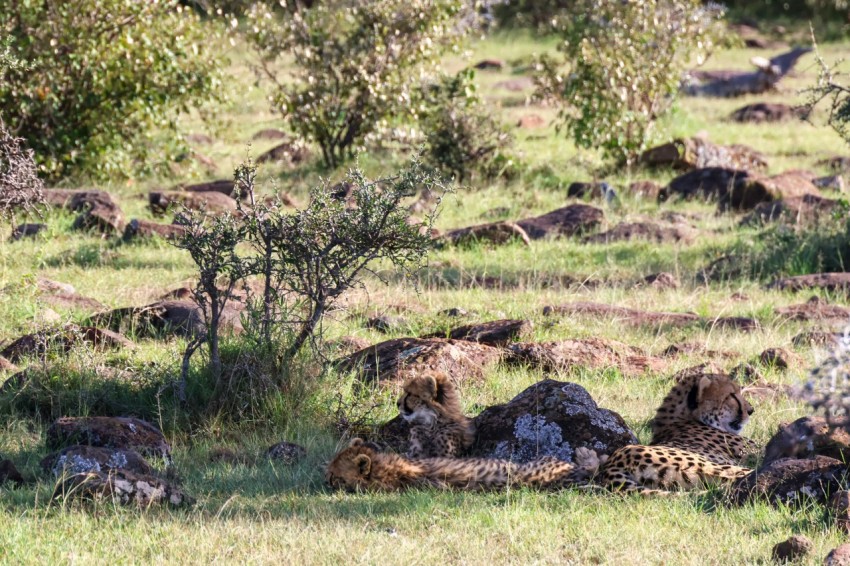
[9,474]
[288,453]
[791,550]
[779,358]
[839,556]
[121,486]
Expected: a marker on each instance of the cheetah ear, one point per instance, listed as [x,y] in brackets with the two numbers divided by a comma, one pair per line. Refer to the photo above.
[364,464]
[695,394]
[355,442]
[432,385]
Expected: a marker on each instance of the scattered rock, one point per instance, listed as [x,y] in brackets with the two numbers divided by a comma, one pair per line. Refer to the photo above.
[550,418]
[531,121]
[639,317]
[496,233]
[490,65]
[747,193]
[223,186]
[808,437]
[699,153]
[695,349]
[808,209]
[64,296]
[596,191]
[109,432]
[592,353]
[121,486]
[839,556]
[827,281]
[49,286]
[269,134]
[287,453]
[662,281]
[10,474]
[645,189]
[67,337]
[831,183]
[839,507]
[567,221]
[494,333]
[161,202]
[80,459]
[710,184]
[779,358]
[746,373]
[728,84]
[97,211]
[815,308]
[789,481]
[175,317]
[291,153]
[816,338]
[649,231]
[22,231]
[146,229]
[455,312]
[764,112]
[791,550]
[386,323]
[396,360]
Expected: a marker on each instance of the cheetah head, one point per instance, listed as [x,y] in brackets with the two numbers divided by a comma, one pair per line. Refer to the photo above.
[351,468]
[716,401]
[422,397]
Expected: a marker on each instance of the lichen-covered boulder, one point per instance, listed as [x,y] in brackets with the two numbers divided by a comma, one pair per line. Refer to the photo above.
[109,432]
[121,486]
[550,418]
[288,453]
[788,481]
[79,459]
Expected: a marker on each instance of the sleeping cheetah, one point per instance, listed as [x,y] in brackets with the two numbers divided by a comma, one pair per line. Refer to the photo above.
[361,466]
[695,440]
[438,426]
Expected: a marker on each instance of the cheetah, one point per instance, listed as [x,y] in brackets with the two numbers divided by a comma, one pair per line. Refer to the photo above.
[361,466]
[704,414]
[438,427]
[694,440]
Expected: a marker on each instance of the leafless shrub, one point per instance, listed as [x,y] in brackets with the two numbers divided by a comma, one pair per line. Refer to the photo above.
[20,187]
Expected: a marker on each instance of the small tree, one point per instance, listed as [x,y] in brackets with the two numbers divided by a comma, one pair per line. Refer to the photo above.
[625,63]
[460,136]
[100,76]
[836,95]
[356,64]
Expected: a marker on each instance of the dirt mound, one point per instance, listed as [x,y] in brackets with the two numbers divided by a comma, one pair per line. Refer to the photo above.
[699,153]
[746,194]
[290,153]
[763,112]
[396,360]
[591,353]
[566,221]
[123,433]
[496,233]
[161,202]
[808,437]
[493,333]
[65,338]
[814,309]
[803,210]
[177,317]
[710,184]
[827,281]
[789,481]
[146,229]
[650,231]
[649,318]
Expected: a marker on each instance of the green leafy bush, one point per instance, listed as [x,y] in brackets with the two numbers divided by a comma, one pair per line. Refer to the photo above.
[537,14]
[621,67]
[357,64]
[100,76]
[460,136]
[835,94]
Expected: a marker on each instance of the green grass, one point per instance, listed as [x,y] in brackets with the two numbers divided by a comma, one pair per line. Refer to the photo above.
[263,513]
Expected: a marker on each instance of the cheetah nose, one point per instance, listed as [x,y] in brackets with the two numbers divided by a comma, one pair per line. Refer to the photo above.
[750,410]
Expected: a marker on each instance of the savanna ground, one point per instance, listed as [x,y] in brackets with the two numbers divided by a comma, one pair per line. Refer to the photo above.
[267,513]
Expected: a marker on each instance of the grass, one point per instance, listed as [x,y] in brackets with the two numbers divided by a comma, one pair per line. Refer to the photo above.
[263,513]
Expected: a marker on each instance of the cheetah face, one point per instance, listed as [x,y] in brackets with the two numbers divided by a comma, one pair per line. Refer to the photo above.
[415,412]
[350,469]
[720,405]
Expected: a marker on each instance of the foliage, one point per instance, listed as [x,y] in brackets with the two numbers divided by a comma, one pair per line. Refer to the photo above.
[357,62]
[461,137]
[626,60]
[828,386]
[305,260]
[538,14]
[784,251]
[100,76]
[836,95]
